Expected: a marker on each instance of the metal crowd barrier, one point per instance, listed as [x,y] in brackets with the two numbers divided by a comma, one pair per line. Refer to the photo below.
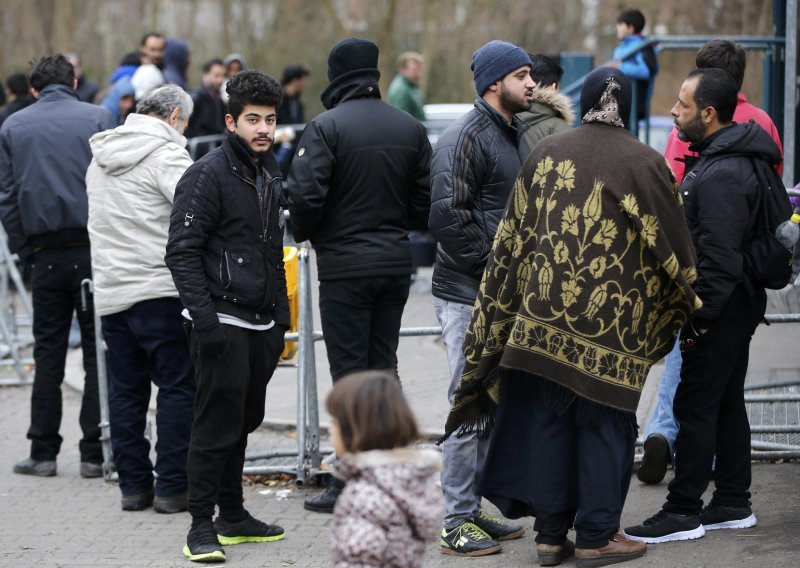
[306,460]
[13,319]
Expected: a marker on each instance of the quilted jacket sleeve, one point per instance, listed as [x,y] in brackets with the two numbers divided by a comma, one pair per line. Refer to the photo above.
[194,217]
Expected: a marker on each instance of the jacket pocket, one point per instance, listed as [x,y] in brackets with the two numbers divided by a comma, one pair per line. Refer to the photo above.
[242,276]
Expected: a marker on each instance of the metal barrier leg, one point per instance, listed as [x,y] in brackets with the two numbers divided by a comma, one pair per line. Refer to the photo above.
[312,435]
[102,383]
[305,345]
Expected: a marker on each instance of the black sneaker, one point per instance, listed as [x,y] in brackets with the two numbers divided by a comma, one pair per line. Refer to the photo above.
[325,501]
[202,544]
[497,529]
[655,459]
[716,517]
[248,530]
[666,527]
[467,540]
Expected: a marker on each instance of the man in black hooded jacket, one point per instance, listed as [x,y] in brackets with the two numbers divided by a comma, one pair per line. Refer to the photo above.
[721,196]
[357,185]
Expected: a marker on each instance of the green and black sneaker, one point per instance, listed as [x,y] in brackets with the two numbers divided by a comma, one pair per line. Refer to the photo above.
[468,540]
[248,530]
[202,544]
[497,529]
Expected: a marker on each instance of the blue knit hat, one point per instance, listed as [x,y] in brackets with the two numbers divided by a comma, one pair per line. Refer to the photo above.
[494,61]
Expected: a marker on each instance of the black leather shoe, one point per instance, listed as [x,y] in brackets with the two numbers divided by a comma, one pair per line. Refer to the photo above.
[30,466]
[170,504]
[325,501]
[137,501]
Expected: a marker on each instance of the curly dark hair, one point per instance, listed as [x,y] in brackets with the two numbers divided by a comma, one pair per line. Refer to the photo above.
[252,88]
[51,70]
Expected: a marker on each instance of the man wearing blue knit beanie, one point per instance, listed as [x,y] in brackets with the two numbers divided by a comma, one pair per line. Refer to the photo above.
[473,170]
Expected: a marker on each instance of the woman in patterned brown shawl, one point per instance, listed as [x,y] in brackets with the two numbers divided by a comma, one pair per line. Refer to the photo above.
[589,280]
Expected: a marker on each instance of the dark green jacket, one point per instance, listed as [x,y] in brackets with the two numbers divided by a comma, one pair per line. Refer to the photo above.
[550,112]
[405,95]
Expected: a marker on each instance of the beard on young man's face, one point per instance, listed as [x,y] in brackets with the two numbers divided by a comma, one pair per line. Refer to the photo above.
[250,144]
[692,131]
[516,104]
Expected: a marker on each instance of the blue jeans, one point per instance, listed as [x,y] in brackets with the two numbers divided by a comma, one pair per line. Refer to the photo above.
[663,419]
[462,457]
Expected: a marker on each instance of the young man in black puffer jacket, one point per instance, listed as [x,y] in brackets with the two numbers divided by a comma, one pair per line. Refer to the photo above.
[225,251]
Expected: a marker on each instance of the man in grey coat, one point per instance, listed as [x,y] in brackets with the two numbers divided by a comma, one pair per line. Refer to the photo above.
[44,154]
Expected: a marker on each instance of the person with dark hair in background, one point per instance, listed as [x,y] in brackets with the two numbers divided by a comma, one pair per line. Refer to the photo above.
[550,111]
[721,194]
[661,430]
[641,67]
[86,90]
[225,252]
[17,84]
[293,82]
[44,154]
[135,169]
[209,110]
[149,74]
[355,191]
[176,62]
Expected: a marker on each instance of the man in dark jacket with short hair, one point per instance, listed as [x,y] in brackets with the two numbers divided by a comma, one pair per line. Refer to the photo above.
[225,252]
[473,170]
[209,110]
[44,155]
[721,194]
[357,185]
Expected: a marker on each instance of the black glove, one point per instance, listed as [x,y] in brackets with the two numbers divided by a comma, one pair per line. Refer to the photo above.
[211,342]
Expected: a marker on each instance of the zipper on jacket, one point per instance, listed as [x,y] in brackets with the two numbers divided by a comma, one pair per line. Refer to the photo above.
[187,219]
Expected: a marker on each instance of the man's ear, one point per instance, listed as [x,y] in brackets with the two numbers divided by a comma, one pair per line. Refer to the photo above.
[230,123]
[75,84]
[709,114]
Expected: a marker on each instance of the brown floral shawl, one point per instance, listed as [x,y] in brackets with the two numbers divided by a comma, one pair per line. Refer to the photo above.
[590,276]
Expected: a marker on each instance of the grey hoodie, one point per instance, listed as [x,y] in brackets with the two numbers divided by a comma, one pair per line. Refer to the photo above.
[131,184]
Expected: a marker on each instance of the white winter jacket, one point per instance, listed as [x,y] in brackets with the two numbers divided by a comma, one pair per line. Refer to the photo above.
[131,184]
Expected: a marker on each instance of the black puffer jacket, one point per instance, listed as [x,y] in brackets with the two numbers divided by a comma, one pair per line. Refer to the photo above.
[473,169]
[720,196]
[359,182]
[225,247]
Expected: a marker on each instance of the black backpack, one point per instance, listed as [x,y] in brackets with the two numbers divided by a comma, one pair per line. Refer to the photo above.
[767,261]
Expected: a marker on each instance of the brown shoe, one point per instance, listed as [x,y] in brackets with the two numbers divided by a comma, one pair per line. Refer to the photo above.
[618,549]
[555,554]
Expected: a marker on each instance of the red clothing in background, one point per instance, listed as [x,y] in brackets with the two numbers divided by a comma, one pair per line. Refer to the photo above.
[745,112]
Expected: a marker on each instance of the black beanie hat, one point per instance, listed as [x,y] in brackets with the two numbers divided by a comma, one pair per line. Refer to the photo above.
[351,54]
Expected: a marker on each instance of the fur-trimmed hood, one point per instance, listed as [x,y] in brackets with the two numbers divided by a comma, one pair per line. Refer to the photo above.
[547,103]
[388,510]
[353,465]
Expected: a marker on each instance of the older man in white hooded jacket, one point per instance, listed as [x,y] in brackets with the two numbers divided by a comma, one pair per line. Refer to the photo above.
[131,183]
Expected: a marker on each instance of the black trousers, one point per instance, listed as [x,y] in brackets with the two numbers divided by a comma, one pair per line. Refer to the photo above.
[361,322]
[147,343]
[56,291]
[229,404]
[545,463]
[710,411]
